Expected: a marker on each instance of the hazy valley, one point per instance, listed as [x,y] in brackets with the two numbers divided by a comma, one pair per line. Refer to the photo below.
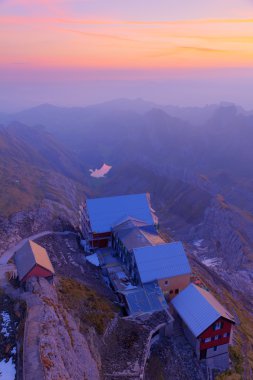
[197,168]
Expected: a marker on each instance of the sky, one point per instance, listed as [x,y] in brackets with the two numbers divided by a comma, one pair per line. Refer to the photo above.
[79,52]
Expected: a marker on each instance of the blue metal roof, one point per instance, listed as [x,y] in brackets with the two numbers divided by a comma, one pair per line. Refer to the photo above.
[104,213]
[146,299]
[199,309]
[161,261]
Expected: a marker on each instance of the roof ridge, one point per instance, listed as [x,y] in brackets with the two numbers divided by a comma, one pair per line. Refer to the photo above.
[195,318]
[159,245]
[205,292]
[199,290]
[116,196]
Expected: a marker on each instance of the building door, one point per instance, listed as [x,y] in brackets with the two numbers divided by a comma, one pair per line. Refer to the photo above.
[202,354]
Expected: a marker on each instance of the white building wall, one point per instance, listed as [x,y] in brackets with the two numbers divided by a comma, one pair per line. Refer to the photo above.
[218,359]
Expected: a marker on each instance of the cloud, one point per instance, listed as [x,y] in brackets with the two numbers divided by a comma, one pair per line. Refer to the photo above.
[100,21]
[174,50]
[98,35]
[52,41]
[203,49]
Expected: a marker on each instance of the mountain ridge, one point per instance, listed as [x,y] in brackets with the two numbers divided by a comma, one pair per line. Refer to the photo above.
[194,114]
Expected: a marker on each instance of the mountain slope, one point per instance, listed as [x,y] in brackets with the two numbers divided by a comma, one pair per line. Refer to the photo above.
[200,179]
[33,167]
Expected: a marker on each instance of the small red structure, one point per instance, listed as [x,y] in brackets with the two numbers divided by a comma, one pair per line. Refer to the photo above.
[32,261]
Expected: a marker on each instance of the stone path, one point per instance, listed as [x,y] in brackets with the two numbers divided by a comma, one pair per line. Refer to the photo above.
[31,357]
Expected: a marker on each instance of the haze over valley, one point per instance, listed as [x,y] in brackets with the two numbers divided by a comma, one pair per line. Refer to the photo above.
[197,167]
[195,162]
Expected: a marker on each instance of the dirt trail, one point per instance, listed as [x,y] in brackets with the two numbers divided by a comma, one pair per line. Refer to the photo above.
[7,255]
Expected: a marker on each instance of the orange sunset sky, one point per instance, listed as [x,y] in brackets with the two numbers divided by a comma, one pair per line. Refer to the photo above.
[68,41]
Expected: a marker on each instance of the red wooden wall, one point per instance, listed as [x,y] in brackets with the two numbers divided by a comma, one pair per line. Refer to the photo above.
[211,333]
[37,271]
[101,240]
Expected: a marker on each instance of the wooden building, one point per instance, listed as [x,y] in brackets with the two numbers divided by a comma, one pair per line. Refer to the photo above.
[207,325]
[165,263]
[32,261]
[99,215]
[147,257]
[129,234]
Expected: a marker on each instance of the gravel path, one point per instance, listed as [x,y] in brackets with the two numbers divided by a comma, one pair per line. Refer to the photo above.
[7,255]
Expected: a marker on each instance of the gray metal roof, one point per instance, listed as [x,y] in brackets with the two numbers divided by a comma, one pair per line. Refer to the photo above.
[146,299]
[199,309]
[161,261]
[28,256]
[128,222]
[139,237]
[104,213]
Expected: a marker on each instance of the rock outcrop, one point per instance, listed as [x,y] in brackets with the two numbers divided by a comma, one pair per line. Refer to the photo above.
[26,223]
[53,346]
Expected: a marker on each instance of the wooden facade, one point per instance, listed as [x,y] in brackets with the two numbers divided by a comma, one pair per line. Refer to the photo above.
[37,271]
[213,337]
[207,325]
[212,344]
[101,240]
[32,260]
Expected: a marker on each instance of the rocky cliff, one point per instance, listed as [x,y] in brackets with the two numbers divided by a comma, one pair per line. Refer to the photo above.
[54,348]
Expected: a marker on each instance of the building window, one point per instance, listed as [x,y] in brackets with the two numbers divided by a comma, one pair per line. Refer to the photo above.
[207,340]
[226,335]
[217,326]
[216,337]
[215,348]
[166,282]
[176,291]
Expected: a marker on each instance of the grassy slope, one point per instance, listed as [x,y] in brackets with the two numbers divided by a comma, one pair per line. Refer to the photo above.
[92,309]
[34,167]
[19,187]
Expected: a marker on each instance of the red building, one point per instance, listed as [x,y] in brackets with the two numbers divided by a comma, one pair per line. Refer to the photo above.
[32,261]
[99,215]
[218,334]
[207,325]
